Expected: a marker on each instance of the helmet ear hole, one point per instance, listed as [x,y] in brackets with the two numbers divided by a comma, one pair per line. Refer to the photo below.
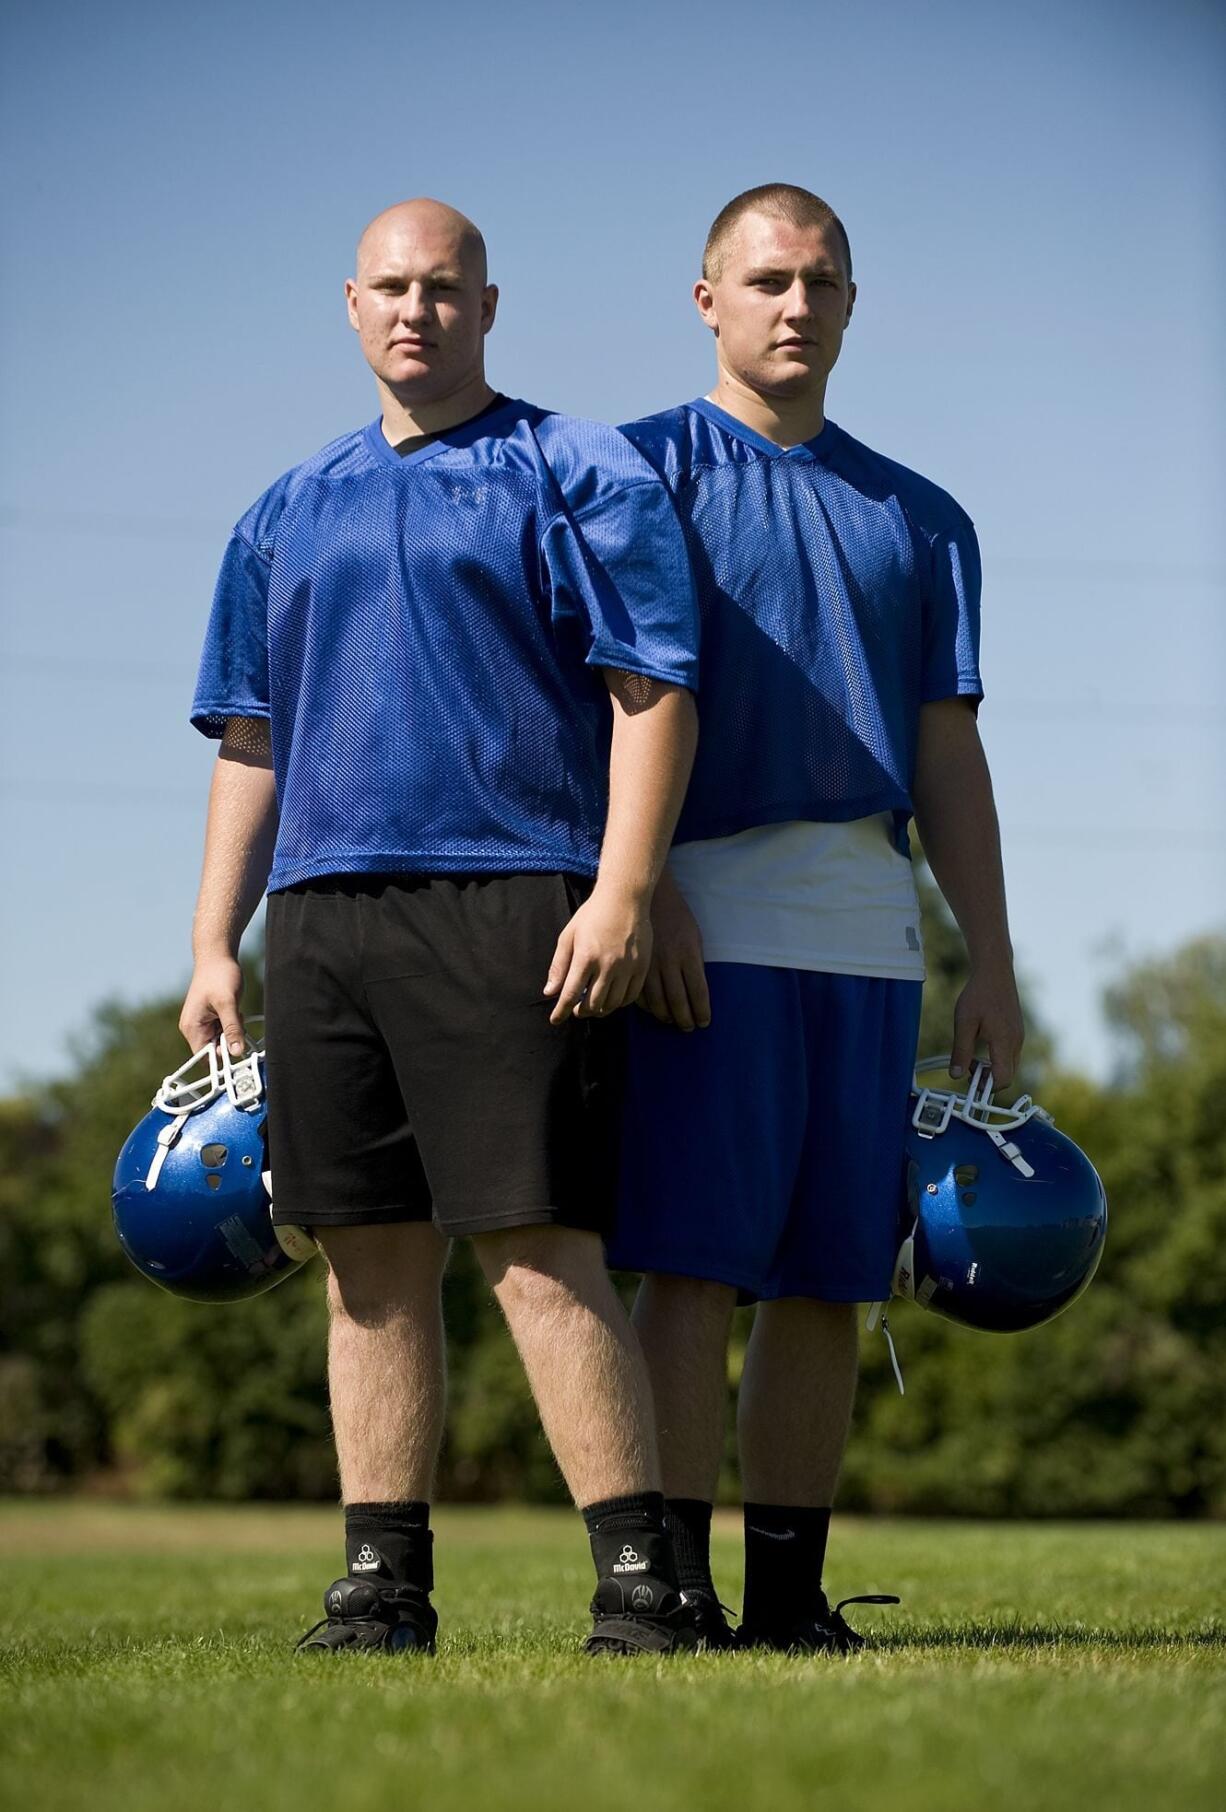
[213,1180]
[214,1156]
[965,1175]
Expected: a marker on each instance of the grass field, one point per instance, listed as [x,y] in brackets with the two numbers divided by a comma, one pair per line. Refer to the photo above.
[146,1665]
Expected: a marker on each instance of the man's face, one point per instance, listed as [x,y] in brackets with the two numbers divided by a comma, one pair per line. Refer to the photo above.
[420,305]
[779,305]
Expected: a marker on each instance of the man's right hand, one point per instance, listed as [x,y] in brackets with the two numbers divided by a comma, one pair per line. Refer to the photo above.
[211,1009]
[675,991]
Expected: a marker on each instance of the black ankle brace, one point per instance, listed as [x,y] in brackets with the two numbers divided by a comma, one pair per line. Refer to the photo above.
[629,1539]
[390,1544]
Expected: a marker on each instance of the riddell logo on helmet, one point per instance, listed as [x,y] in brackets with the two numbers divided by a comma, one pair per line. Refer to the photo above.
[629,1562]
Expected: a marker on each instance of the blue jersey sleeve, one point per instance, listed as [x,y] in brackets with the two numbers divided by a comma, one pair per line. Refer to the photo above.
[233,677]
[615,556]
[951,614]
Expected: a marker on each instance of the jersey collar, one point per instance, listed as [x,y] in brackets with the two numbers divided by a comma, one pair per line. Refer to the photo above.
[489,421]
[819,448]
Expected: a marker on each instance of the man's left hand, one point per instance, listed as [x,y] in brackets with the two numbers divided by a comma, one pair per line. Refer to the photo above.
[989,1013]
[675,991]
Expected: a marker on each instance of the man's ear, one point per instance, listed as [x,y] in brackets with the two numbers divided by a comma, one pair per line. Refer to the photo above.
[704,302]
[351,302]
[851,303]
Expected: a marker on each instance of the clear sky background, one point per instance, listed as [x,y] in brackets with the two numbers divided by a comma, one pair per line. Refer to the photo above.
[1034,200]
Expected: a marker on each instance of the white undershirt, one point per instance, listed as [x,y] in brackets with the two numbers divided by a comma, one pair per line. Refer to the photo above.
[837,897]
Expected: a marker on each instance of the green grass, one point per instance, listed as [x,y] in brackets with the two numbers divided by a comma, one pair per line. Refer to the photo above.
[145,1664]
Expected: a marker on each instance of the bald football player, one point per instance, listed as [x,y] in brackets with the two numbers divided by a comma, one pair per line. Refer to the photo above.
[449,663]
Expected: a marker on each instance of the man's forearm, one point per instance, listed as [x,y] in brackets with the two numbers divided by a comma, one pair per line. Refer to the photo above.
[955,814]
[238,846]
[655,734]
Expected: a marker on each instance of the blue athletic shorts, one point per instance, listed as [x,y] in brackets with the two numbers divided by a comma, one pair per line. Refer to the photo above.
[766,1151]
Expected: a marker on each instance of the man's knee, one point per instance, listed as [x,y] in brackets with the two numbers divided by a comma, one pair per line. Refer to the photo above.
[704,1291]
[686,1302]
[809,1315]
[541,1272]
[374,1272]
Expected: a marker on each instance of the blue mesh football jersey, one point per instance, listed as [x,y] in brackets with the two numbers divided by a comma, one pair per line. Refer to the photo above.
[425,635]
[837,593]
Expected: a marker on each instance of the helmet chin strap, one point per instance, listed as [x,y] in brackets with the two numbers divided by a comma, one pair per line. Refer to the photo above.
[166,1139]
[1008,1149]
[877,1313]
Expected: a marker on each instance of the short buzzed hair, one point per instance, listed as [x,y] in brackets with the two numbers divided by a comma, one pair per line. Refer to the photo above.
[785,202]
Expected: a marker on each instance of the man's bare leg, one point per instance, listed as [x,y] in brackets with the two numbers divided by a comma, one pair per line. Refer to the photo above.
[683,1325]
[386,1363]
[797,1392]
[590,1383]
[581,1356]
[794,1413]
[387,1382]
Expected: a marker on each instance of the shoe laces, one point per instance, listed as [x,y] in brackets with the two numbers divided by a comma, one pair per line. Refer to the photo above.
[700,1596]
[836,1613]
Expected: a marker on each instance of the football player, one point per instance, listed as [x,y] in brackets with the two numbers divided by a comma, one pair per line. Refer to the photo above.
[449,662]
[839,599]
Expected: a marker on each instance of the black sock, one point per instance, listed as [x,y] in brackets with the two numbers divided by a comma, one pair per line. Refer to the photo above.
[688,1521]
[390,1544]
[628,1537]
[785,1549]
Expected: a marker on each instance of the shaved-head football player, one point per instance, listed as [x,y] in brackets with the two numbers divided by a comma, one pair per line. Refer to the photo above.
[769,1079]
[450,663]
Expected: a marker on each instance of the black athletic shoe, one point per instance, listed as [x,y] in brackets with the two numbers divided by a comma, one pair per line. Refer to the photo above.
[822,1632]
[363,1615]
[710,1619]
[645,1615]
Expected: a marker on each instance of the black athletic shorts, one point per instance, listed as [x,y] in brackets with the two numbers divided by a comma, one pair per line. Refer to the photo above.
[412,1069]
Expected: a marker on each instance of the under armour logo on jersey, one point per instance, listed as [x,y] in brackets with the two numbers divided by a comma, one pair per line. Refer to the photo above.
[367,1560]
[628,1561]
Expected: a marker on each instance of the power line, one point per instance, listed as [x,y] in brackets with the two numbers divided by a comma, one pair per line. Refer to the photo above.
[193,528]
[1089,836]
[1139,572]
[109,526]
[1072,711]
[1076,712]
[89,668]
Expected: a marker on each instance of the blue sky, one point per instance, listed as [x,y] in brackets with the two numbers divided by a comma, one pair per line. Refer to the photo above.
[1034,202]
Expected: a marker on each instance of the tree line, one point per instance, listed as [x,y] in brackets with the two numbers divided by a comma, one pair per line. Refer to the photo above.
[1114,1409]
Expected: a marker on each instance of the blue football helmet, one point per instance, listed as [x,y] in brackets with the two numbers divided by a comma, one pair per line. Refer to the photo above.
[1005,1217]
[192,1196]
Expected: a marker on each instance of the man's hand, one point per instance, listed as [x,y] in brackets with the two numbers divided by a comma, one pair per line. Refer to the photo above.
[675,991]
[211,1009]
[238,848]
[989,1013]
[602,956]
[956,819]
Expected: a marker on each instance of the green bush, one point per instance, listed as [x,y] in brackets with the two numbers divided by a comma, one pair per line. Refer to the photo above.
[1113,1409]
